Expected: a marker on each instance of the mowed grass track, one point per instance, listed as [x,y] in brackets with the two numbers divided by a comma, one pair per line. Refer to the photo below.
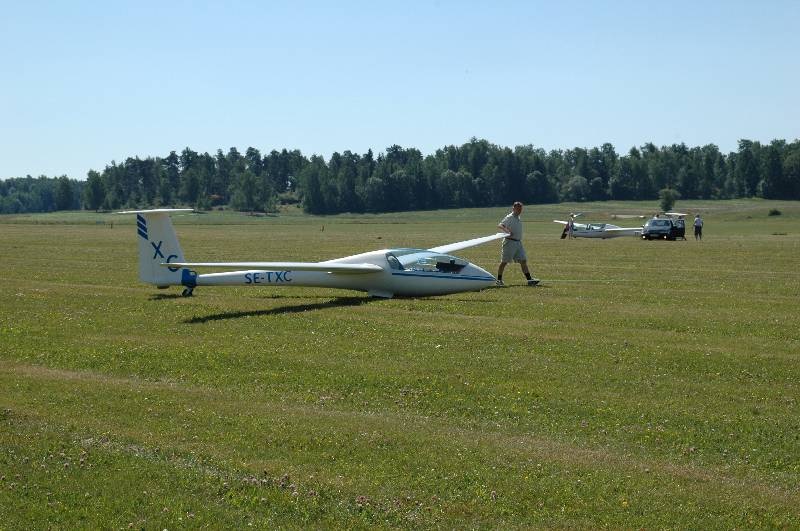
[643,384]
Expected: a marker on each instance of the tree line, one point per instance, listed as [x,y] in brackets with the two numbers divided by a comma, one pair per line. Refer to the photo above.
[477,173]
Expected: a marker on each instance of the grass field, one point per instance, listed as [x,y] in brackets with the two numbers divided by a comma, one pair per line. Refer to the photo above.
[642,385]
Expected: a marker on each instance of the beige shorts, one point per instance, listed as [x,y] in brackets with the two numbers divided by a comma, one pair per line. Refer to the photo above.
[512,252]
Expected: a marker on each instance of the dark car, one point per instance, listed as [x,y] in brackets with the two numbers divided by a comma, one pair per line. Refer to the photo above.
[660,229]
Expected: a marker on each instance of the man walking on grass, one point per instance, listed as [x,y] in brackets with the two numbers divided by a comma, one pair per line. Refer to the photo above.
[698,227]
[512,249]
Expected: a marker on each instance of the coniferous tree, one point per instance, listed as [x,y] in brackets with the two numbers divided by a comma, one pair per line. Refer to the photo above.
[747,172]
[94,192]
[64,195]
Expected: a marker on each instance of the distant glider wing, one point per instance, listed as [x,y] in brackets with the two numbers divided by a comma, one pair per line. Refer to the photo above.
[285,266]
[451,247]
[579,226]
[157,211]
[623,229]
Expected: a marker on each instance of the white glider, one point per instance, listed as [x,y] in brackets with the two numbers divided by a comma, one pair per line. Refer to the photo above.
[597,230]
[381,273]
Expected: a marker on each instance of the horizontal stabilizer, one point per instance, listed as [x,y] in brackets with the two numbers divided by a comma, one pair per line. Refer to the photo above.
[451,247]
[284,266]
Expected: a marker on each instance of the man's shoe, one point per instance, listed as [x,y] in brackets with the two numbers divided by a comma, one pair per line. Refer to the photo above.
[500,283]
[533,281]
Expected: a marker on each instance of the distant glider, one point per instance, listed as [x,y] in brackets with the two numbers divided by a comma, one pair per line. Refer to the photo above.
[596,230]
[381,273]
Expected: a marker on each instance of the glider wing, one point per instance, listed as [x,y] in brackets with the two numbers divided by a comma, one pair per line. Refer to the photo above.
[288,266]
[623,229]
[451,247]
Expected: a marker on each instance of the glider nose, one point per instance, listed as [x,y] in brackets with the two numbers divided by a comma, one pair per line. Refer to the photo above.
[480,275]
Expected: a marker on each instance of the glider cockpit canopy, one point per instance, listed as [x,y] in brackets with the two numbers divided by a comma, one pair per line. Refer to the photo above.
[424,260]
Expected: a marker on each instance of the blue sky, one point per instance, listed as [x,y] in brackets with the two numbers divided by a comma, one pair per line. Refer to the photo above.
[84,83]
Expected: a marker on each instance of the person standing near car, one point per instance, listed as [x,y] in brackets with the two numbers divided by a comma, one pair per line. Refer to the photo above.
[512,249]
[698,227]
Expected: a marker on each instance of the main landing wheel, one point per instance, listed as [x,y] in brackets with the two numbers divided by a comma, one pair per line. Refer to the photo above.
[187,292]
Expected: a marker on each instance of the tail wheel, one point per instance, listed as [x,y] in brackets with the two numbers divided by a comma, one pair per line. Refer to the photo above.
[187,292]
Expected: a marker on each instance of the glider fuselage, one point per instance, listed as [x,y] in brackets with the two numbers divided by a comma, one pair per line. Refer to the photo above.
[414,278]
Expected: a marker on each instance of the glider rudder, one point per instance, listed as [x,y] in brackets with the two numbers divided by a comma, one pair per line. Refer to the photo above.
[158,243]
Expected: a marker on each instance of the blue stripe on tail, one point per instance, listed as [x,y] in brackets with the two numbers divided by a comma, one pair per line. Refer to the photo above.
[141,225]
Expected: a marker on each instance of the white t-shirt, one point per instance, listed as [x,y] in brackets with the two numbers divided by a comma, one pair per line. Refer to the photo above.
[514,224]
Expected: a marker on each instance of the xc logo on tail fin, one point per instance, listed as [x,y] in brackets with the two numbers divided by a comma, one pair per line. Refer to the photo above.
[158,249]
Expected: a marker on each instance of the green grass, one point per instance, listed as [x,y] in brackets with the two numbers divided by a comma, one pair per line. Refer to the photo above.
[643,384]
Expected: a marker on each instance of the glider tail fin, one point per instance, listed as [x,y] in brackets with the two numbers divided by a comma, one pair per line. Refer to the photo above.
[158,243]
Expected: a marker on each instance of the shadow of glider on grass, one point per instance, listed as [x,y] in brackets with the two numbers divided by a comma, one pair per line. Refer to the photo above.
[381,273]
